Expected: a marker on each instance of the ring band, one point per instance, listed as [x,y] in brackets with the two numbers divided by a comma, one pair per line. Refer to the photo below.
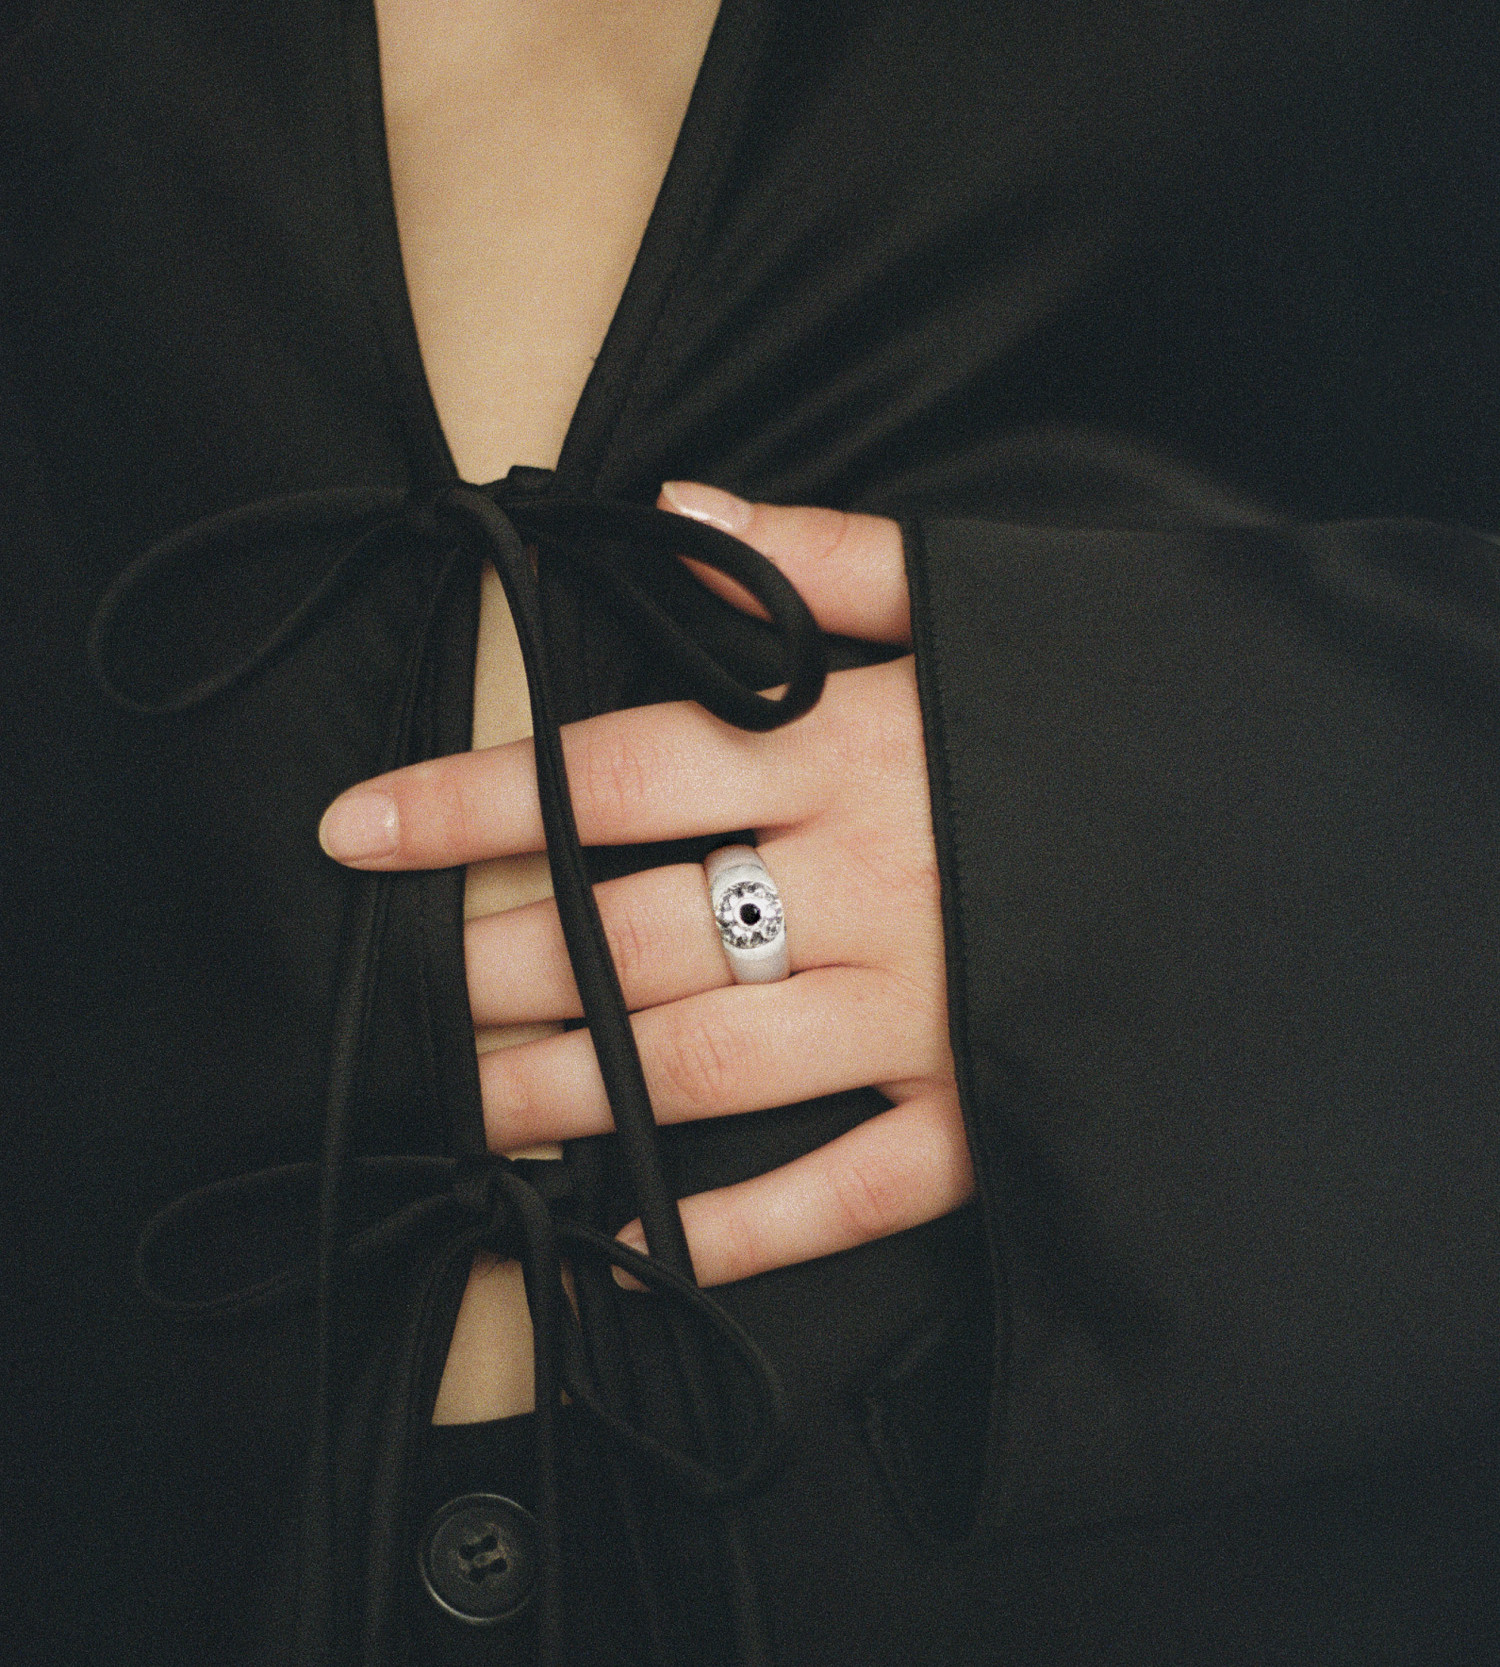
[748,912]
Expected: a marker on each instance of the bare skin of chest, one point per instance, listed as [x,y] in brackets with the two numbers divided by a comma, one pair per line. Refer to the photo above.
[527,142]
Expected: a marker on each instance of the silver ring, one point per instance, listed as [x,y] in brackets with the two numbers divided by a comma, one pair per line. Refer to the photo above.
[748,912]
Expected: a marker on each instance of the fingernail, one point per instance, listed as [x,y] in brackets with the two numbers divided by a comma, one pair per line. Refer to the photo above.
[636,1239]
[360,824]
[712,504]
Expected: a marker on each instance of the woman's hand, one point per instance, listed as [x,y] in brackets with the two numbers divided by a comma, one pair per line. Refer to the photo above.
[839,802]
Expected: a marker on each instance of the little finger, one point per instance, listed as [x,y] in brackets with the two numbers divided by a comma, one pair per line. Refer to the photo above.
[900,1169]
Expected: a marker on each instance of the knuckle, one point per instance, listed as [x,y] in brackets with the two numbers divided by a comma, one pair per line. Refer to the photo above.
[869,1196]
[940,1153]
[909,879]
[835,533]
[922,885]
[893,741]
[876,738]
[633,943]
[804,531]
[508,1100]
[617,776]
[818,534]
[700,1059]
[761,526]
[738,1250]
[452,822]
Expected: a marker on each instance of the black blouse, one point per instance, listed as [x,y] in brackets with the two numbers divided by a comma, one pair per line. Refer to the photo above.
[1168,332]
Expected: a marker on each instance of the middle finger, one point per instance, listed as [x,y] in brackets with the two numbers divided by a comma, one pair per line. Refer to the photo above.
[662,935]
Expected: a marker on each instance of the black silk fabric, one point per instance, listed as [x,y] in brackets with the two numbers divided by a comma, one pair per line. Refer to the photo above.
[1169,332]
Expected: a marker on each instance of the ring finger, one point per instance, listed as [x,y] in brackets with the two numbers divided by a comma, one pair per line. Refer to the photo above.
[662,940]
[661,933]
[720,1052]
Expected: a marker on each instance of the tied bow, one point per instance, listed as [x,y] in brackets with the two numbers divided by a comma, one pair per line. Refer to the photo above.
[439,1211]
[447,1208]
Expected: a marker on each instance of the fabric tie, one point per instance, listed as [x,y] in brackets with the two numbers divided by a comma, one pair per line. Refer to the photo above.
[447,1208]
[439,1209]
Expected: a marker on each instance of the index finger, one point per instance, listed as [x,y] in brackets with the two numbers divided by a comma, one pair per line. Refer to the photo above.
[653,773]
[850,568]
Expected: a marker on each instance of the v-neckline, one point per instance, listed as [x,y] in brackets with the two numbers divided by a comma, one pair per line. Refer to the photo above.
[677,220]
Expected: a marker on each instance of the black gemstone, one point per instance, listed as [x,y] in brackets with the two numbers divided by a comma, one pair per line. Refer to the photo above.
[749,914]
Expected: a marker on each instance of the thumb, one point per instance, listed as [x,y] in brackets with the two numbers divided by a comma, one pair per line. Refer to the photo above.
[849,568]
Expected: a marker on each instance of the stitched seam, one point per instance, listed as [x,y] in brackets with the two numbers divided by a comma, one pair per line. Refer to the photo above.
[718,149]
[377,238]
[932,658]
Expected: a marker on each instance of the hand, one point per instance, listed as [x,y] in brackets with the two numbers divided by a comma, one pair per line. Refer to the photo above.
[839,801]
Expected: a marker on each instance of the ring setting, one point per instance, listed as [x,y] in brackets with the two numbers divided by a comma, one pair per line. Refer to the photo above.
[749,914]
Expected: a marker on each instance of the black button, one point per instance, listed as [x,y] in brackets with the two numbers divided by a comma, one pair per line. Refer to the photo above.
[479,1558]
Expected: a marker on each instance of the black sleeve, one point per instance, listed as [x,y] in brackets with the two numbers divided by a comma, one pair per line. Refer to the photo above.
[1216,816]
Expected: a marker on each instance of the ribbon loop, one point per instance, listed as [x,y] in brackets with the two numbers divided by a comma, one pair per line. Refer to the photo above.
[619,545]
[767,1424]
[172,584]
